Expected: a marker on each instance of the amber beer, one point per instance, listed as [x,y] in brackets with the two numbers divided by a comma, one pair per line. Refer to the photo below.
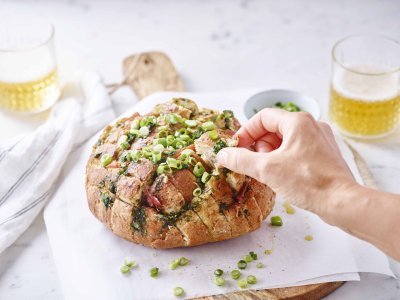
[364,92]
[365,107]
[28,74]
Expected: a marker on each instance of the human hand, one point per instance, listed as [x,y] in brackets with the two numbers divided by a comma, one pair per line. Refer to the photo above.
[295,155]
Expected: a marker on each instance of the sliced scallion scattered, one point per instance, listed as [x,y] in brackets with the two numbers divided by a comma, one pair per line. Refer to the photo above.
[235,274]
[207,126]
[213,134]
[174,264]
[190,123]
[198,169]
[219,281]
[154,272]
[276,221]
[242,283]
[260,265]
[178,291]
[197,192]
[251,279]
[218,272]
[247,258]
[242,264]
[253,255]
[106,159]
[144,131]
[205,177]
[183,261]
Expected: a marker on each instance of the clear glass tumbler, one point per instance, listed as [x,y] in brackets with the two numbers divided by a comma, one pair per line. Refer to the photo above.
[365,84]
[28,70]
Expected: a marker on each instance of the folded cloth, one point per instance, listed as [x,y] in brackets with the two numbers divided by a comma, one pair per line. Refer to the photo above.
[31,164]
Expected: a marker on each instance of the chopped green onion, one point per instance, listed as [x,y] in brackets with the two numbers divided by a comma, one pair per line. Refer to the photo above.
[251,279]
[174,264]
[235,274]
[172,162]
[156,156]
[125,269]
[242,283]
[154,272]
[192,161]
[170,139]
[147,152]
[159,148]
[198,169]
[135,132]
[162,134]
[191,123]
[144,131]
[268,251]
[247,258]
[276,221]
[183,261]
[148,121]
[213,134]
[163,168]
[123,142]
[174,119]
[253,255]
[205,177]
[178,291]
[106,159]
[260,265]
[135,124]
[187,152]
[219,281]
[197,192]
[182,131]
[207,126]
[242,264]
[179,144]
[184,137]
[135,155]
[218,272]
[160,141]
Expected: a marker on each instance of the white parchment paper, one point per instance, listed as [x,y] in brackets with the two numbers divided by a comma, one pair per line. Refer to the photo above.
[88,256]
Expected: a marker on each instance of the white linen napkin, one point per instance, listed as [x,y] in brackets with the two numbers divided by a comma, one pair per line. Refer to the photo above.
[31,164]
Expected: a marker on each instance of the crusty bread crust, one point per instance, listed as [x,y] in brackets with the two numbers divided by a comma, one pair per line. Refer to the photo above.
[127,198]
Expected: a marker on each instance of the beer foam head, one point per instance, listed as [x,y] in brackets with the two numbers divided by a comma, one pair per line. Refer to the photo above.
[366,82]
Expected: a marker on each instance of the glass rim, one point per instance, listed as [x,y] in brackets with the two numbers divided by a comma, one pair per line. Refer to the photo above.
[388,39]
[38,45]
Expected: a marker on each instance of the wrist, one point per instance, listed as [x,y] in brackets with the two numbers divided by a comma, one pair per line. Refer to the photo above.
[342,202]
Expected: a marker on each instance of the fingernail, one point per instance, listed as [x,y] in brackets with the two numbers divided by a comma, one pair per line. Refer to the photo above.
[222,157]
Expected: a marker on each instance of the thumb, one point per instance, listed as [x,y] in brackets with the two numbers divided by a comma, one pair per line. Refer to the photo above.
[243,161]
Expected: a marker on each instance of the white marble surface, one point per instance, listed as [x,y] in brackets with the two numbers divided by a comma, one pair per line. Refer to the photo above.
[216,45]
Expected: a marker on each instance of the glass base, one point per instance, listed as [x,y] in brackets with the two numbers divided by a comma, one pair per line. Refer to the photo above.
[364,137]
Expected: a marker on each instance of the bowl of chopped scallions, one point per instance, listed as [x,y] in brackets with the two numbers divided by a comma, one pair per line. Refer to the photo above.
[288,100]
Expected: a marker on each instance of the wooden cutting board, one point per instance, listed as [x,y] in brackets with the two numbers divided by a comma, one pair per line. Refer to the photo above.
[151,72]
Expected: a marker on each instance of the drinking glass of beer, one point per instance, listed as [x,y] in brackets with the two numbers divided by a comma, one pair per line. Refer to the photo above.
[28,74]
[365,84]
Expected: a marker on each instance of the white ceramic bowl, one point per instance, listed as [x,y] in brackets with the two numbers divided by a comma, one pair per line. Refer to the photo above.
[268,98]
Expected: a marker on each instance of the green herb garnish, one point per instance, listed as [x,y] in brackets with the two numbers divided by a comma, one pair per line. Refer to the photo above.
[289,106]
[178,291]
[242,264]
[219,145]
[127,266]
[276,221]
[154,272]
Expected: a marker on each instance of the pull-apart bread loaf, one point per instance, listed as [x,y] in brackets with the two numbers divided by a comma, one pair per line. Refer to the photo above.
[153,179]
